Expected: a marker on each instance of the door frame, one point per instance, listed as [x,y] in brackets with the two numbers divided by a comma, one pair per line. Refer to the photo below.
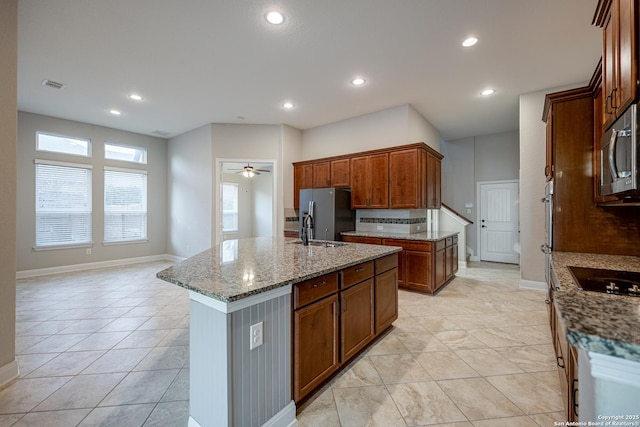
[479,213]
[216,219]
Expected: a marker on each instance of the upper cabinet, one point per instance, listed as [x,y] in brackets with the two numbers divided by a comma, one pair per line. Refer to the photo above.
[370,182]
[402,177]
[619,57]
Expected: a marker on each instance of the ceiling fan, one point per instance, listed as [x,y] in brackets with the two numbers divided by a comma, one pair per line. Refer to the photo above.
[249,171]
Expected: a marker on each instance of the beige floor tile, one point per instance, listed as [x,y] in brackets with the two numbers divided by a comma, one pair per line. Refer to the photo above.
[532,358]
[118,416]
[320,412]
[419,342]
[549,419]
[140,339]
[68,363]
[443,365]
[528,392]
[530,335]
[507,422]
[459,340]
[53,418]
[141,387]
[169,414]
[389,344]
[399,368]
[478,399]
[179,388]
[358,374]
[26,394]
[28,362]
[494,337]
[10,419]
[423,403]
[82,391]
[117,360]
[487,361]
[438,323]
[367,406]
[164,358]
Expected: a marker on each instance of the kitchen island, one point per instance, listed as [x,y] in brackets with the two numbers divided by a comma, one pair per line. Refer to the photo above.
[604,331]
[240,323]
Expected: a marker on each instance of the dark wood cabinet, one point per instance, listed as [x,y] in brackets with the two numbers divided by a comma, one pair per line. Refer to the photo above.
[370,181]
[548,168]
[423,266]
[434,180]
[618,18]
[408,179]
[302,178]
[321,174]
[357,318]
[341,173]
[567,365]
[336,316]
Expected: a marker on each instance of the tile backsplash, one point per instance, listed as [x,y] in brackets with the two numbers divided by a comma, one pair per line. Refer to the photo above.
[393,220]
[290,219]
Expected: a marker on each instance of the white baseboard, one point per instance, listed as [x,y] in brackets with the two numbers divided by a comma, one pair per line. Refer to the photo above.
[532,284]
[462,264]
[285,418]
[9,372]
[93,265]
[474,258]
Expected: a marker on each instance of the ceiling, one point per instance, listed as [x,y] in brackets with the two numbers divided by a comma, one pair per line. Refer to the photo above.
[219,61]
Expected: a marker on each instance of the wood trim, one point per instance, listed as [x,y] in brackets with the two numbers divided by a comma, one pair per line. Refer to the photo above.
[596,78]
[564,96]
[456,212]
[601,13]
[372,152]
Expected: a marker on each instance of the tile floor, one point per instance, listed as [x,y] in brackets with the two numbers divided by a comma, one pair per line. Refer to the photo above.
[110,347]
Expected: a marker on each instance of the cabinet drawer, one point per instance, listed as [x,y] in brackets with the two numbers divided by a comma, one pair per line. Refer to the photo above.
[386,263]
[409,245]
[314,289]
[449,241]
[366,240]
[440,245]
[455,239]
[356,274]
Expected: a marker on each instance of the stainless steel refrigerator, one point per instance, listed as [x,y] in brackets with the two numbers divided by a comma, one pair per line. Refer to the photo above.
[327,211]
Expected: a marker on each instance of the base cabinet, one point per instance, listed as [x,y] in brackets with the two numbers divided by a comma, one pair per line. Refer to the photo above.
[423,266]
[338,315]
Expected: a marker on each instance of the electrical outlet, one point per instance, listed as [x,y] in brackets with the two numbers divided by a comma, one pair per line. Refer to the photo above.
[255,334]
[418,227]
[379,227]
[89,251]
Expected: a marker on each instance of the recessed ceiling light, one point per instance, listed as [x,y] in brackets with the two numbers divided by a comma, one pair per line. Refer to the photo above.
[470,42]
[115,112]
[488,92]
[287,105]
[275,18]
[358,81]
[135,97]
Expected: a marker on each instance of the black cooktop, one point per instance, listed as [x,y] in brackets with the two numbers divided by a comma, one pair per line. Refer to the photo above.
[607,281]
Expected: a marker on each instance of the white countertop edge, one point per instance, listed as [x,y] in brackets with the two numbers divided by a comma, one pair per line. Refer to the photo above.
[230,307]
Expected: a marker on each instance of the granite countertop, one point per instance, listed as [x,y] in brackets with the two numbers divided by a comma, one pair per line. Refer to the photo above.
[237,269]
[424,236]
[598,322]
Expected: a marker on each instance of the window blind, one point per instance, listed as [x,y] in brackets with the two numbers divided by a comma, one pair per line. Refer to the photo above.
[125,205]
[63,205]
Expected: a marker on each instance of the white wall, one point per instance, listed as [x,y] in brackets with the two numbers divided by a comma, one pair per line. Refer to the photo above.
[468,161]
[246,207]
[28,125]
[290,151]
[532,182]
[189,184]
[387,128]
[8,138]
[263,197]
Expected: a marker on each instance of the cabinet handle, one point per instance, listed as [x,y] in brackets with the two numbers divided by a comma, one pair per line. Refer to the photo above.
[560,362]
[358,270]
[315,285]
[574,397]
[606,104]
[345,304]
[613,106]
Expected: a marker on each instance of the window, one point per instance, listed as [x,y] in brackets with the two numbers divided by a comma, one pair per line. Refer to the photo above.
[229,207]
[63,204]
[125,205]
[128,153]
[63,144]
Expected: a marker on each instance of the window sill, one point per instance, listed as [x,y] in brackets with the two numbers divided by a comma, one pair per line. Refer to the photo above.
[125,242]
[58,247]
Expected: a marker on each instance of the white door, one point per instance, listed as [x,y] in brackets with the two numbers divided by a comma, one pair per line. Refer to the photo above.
[499,225]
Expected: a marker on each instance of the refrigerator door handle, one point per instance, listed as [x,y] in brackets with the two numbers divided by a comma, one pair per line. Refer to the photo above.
[312,206]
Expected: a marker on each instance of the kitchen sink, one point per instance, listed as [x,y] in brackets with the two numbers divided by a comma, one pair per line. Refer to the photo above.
[321,243]
[607,281]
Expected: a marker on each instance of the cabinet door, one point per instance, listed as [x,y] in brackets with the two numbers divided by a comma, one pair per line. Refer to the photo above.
[609,38]
[455,258]
[418,271]
[340,173]
[322,175]
[548,168]
[386,299]
[440,268]
[434,184]
[302,178]
[365,240]
[405,181]
[315,345]
[448,262]
[359,185]
[357,322]
[379,181]
[627,72]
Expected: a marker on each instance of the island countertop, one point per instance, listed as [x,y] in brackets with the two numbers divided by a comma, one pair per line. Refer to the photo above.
[598,322]
[425,236]
[238,269]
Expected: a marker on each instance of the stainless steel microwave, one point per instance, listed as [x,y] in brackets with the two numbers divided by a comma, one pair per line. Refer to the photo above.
[619,160]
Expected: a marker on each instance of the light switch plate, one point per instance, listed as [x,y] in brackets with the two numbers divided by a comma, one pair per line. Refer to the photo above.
[379,227]
[255,335]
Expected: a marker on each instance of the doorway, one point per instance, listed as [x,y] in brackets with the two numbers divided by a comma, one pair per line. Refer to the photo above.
[245,199]
[499,225]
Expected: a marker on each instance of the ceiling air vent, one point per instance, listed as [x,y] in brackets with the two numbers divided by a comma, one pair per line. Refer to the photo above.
[52,84]
[161,133]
